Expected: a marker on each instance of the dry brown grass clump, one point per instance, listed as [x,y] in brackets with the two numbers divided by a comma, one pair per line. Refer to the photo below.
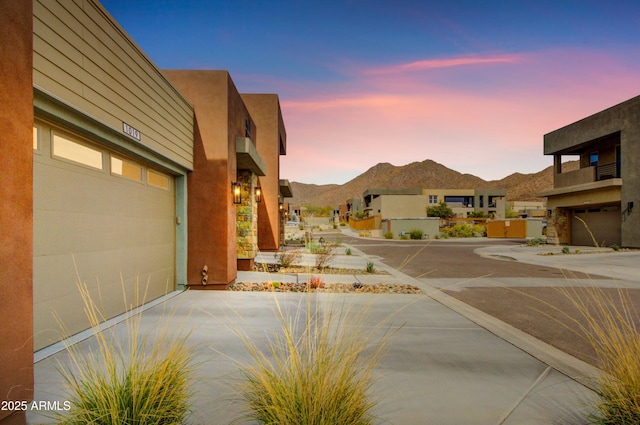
[145,379]
[316,368]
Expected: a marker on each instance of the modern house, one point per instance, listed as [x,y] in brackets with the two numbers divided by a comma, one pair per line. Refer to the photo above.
[397,203]
[126,177]
[597,203]
[465,201]
[393,210]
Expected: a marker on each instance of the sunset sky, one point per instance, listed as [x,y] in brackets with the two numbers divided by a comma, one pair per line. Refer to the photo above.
[473,85]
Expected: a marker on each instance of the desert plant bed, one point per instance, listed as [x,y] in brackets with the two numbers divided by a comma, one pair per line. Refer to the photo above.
[376,288]
[275,268]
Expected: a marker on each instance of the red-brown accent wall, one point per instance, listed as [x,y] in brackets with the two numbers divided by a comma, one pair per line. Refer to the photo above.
[220,117]
[16,205]
[270,143]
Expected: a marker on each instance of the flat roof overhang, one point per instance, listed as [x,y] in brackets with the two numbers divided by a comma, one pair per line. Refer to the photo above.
[248,158]
[585,187]
[285,189]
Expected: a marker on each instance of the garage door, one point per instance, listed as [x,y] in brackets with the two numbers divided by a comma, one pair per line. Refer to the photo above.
[603,222]
[100,217]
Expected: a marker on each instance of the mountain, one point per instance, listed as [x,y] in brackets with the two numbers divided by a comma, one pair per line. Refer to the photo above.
[425,174]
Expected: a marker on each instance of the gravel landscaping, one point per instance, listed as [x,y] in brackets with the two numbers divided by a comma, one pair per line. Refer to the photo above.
[377,288]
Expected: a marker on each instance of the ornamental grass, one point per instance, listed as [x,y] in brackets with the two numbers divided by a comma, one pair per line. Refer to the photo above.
[145,379]
[316,368]
[610,326]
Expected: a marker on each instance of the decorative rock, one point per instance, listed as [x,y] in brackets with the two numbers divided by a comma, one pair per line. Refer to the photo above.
[377,288]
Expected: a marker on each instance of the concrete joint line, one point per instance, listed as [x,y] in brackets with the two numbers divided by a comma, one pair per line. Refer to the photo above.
[525,395]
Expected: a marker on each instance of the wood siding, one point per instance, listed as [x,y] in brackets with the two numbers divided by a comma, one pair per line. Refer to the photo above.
[83,57]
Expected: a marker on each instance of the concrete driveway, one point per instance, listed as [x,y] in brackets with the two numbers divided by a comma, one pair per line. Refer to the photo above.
[448,364]
[441,367]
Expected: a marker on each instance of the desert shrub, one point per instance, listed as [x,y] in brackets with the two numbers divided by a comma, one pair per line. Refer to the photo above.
[316,368]
[145,380]
[615,247]
[416,234]
[536,242]
[370,268]
[316,282]
[347,251]
[565,250]
[288,257]
[388,235]
[464,230]
[324,256]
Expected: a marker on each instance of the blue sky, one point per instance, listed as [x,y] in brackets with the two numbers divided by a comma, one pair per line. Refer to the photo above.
[473,85]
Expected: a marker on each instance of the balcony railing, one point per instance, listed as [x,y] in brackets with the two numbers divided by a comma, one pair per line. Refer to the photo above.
[608,171]
[587,175]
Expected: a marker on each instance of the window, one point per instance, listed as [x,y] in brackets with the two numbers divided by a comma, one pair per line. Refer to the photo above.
[157,179]
[433,199]
[126,168]
[76,152]
[35,138]
[593,159]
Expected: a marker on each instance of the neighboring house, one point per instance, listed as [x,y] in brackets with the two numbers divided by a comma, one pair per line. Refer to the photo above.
[354,206]
[465,201]
[111,170]
[525,209]
[221,239]
[395,203]
[600,200]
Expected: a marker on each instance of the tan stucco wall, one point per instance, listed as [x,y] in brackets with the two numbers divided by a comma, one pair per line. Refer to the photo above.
[16,192]
[220,117]
[271,134]
[400,206]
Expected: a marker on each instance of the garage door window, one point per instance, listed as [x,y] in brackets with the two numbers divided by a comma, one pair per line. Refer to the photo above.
[76,152]
[125,168]
[157,179]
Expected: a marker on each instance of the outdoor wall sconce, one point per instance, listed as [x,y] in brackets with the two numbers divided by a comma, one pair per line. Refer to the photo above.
[236,189]
[258,191]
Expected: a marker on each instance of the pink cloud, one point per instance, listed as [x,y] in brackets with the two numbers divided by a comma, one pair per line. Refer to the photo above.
[440,63]
[488,120]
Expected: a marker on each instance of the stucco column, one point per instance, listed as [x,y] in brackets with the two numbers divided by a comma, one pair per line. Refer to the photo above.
[16,208]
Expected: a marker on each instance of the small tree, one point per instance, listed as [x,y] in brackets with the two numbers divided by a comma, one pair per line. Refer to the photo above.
[509,213]
[441,210]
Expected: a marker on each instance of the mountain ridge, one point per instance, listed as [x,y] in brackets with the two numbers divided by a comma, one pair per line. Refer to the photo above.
[424,174]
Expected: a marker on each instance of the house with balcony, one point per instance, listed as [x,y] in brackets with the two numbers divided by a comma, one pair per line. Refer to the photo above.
[595,203]
[466,201]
